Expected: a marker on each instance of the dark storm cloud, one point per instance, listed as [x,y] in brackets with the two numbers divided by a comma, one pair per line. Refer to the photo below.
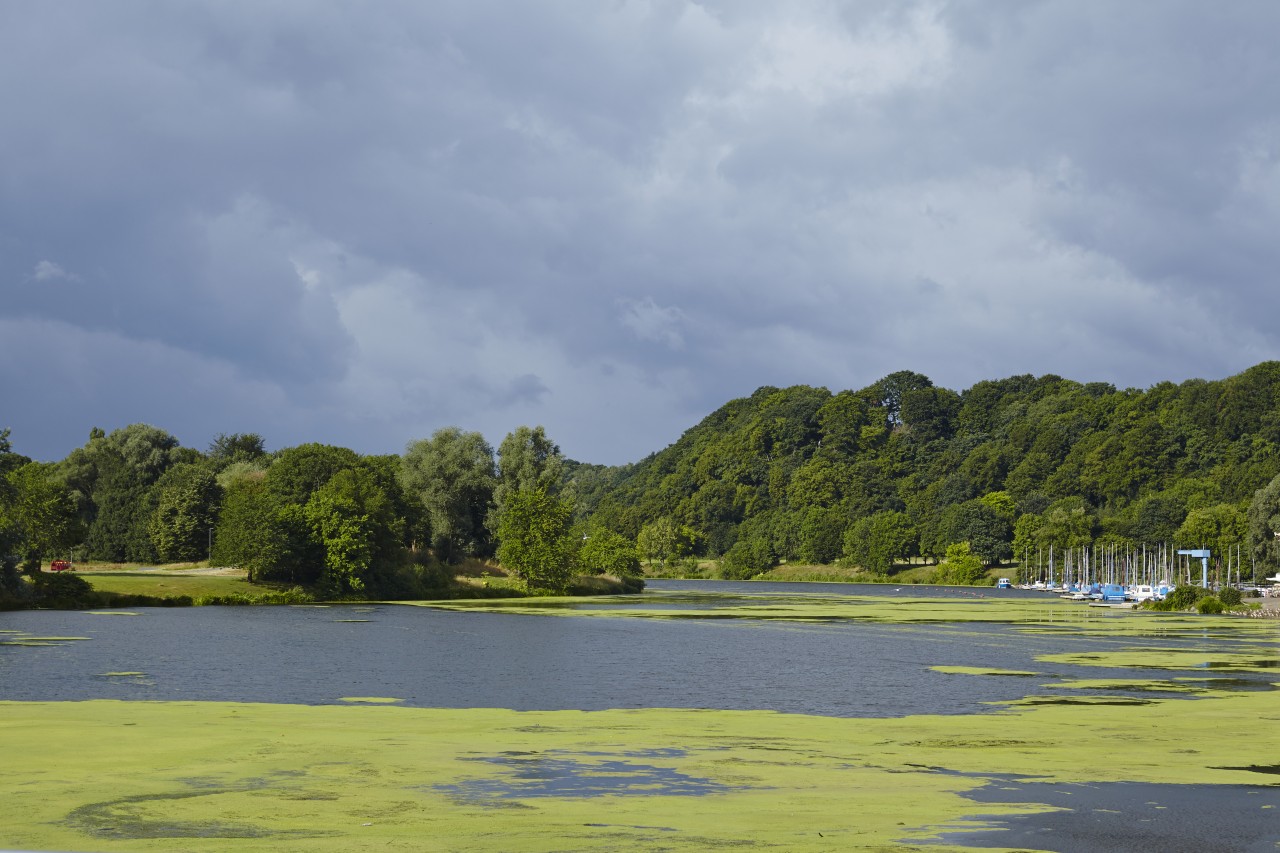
[353,223]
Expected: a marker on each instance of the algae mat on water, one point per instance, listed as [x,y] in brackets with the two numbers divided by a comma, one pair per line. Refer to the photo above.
[107,775]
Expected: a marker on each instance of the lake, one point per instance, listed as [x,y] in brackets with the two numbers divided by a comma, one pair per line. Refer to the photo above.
[701,645]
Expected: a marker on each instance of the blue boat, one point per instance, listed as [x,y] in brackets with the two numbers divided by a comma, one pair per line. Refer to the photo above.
[1112,592]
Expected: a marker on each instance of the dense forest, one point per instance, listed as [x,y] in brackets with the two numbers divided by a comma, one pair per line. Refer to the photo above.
[900,469]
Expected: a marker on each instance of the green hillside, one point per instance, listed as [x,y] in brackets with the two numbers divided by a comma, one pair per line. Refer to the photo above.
[1009,465]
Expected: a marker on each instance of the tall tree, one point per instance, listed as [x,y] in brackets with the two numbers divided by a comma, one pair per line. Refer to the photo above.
[1264,527]
[42,513]
[535,540]
[187,498]
[452,475]
[355,520]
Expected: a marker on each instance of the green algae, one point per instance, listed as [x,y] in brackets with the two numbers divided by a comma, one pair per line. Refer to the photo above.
[979,670]
[371,700]
[1252,660]
[1132,685]
[123,674]
[27,640]
[111,613]
[110,775]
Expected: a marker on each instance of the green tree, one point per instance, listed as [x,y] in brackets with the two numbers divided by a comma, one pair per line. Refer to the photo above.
[662,539]
[111,478]
[988,532]
[874,542]
[606,552]
[961,566]
[452,475]
[186,505]
[237,447]
[299,472]
[354,518]
[1264,527]
[821,535]
[930,413]
[752,554]
[889,392]
[1219,528]
[535,541]
[39,513]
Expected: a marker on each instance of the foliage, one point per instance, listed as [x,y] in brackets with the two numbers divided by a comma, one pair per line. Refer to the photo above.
[299,472]
[186,505]
[37,514]
[1230,596]
[664,540]
[453,476]
[961,566]
[606,552]
[62,591]
[527,461]
[988,531]
[353,518]
[1263,519]
[535,539]
[875,542]
[748,557]
[1217,528]
[1184,597]
[1210,604]
[237,447]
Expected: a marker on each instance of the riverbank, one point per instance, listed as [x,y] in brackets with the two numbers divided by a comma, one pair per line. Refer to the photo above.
[93,585]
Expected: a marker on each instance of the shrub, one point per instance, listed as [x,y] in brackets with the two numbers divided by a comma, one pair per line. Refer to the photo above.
[1230,596]
[1184,597]
[1209,604]
[64,591]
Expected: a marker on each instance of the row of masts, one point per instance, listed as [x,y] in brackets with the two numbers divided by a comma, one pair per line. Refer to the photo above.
[1128,566]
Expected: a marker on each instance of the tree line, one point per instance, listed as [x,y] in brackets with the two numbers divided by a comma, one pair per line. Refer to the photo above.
[897,470]
[315,515]
[905,469]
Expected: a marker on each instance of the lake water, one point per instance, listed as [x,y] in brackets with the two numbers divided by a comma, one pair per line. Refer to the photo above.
[428,657]
[444,659]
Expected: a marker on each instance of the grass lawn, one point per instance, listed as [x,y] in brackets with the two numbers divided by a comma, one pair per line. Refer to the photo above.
[169,586]
[169,580]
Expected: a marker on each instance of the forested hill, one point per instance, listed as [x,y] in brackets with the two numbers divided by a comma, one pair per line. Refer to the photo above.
[1006,464]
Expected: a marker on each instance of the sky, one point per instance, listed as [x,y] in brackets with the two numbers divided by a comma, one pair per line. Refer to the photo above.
[358,223]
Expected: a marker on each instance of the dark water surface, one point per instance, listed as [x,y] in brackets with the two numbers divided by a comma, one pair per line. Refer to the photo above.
[444,659]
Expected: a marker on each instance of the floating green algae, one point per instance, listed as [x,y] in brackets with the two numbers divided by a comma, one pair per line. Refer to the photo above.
[1255,660]
[27,640]
[1131,685]
[792,608]
[979,670]
[123,674]
[371,700]
[111,613]
[226,776]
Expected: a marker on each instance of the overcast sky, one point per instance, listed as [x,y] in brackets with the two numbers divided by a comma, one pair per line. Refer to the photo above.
[357,223]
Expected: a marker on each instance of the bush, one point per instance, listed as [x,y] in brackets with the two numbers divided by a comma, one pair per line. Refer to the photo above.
[1209,604]
[1230,596]
[62,591]
[748,558]
[1184,597]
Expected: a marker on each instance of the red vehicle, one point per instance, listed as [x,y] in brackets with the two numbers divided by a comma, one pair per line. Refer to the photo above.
[62,566]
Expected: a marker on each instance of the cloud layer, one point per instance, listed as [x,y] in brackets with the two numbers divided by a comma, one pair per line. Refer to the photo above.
[341,222]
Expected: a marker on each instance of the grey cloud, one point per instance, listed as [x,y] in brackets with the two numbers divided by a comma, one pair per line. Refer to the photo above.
[611,218]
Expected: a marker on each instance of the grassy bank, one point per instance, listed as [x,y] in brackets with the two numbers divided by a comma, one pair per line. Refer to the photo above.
[185,584]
